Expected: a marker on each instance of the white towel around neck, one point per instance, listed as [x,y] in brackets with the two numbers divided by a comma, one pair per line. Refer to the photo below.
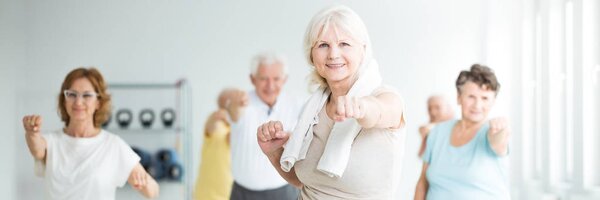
[335,157]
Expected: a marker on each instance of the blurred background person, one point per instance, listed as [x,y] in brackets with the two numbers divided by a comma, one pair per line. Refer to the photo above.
[439,110]
[214,179]
[253,175]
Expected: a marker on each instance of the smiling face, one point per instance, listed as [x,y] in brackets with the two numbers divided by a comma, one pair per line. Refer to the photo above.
[475,101]
[82,103]
[268,81]
[337,56]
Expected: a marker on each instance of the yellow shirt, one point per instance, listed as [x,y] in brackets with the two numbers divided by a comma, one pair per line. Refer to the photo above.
[214,175]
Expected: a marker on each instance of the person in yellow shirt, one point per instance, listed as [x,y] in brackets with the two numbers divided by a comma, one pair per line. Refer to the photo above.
[214,176]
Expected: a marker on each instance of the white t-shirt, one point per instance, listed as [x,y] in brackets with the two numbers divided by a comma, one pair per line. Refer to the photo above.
[85,168]
[249,165]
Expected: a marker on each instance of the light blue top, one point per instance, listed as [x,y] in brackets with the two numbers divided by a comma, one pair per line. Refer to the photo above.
[472,171]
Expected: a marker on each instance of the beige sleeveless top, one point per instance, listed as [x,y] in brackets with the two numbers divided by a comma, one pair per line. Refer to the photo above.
[373,170]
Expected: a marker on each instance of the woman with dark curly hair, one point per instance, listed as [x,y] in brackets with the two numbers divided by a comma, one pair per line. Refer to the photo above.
[82,161]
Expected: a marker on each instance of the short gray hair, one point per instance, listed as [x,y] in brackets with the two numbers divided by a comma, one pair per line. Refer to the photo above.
[481,75]
[267,58]
[341,17]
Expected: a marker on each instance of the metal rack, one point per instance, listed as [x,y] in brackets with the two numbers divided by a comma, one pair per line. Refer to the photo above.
[136,96]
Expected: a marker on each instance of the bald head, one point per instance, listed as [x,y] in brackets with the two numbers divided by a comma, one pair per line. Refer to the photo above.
[439,109]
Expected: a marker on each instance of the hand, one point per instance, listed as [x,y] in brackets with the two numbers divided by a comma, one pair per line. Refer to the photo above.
[498,125]
[35,142]
[234,101]
[271,137]
[32,124]
[425,129]
[219,115]
[138,178]
[498,135]
[349,107]
[233,97]
[240,98]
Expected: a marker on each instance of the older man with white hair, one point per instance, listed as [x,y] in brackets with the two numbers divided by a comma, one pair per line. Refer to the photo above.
[254,177]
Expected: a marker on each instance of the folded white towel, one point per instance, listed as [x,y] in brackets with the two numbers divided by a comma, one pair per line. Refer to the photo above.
[335,157]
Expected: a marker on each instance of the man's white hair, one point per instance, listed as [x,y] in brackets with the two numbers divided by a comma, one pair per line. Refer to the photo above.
[267,58]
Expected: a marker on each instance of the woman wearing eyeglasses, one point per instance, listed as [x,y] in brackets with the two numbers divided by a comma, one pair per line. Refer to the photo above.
[82,161]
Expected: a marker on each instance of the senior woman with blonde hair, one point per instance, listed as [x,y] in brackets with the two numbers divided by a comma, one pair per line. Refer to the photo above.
[348,143]
[82,161]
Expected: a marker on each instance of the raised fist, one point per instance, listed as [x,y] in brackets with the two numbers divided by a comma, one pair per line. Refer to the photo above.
[349,107]
[271,137]
[233,97]
[32,123]
[498,125]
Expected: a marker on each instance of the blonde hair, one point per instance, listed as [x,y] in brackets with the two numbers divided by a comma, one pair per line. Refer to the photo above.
[343,18]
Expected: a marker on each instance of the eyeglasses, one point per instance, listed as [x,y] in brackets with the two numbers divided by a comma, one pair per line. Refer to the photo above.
[71,95]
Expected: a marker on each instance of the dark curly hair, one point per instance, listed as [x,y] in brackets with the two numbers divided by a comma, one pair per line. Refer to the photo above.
[94,76]
[481,75]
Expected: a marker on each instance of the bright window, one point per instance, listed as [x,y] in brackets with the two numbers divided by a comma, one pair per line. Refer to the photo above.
[568,97]
[591,91]
[538,141]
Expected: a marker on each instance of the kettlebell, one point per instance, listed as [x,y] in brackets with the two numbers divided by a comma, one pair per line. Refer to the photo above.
[146,118]
[168,117]
[124,117]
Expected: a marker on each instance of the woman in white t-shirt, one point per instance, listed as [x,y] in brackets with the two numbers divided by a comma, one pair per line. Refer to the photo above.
[82,161]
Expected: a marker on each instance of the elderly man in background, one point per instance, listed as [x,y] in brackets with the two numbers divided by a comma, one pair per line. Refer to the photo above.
[254,177]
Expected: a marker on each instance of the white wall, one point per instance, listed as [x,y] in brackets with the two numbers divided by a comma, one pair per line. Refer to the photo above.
[10,133]
[12,53]
[8,121]
[420,45]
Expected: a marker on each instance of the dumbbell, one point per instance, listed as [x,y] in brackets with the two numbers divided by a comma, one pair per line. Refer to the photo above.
[168,117]
[167,156]
[124,117]
[146,117]
[174,171]
[168,160]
